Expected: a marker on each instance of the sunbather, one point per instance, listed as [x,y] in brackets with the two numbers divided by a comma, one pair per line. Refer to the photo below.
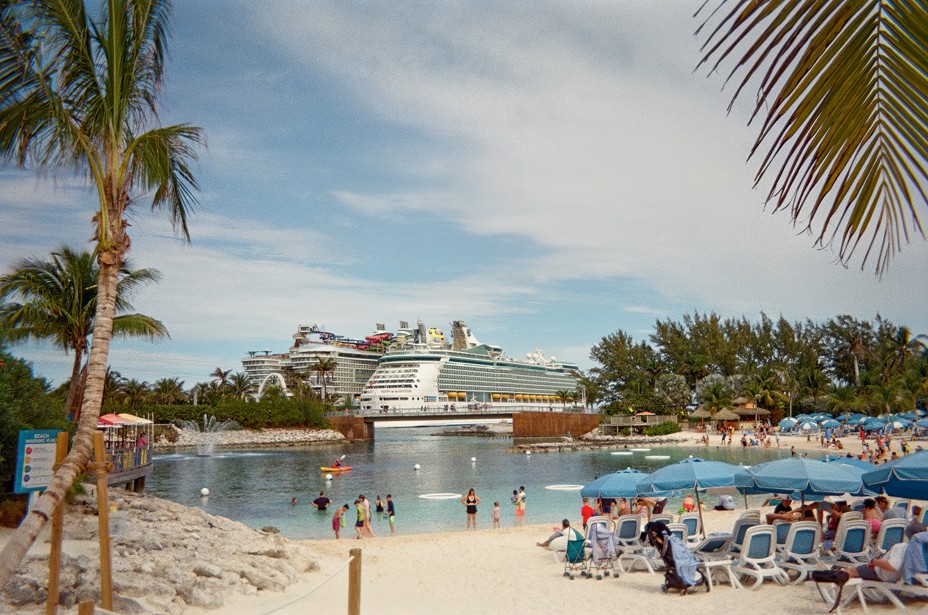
[885,568]
[564,531]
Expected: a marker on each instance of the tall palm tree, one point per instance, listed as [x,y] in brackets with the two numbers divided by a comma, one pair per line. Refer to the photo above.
[240,385]
[323,367]
[222,375]
[841,88]
[80,93]
[133,393]
[56,300]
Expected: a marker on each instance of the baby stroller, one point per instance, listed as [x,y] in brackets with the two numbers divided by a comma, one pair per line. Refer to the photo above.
[680,562]
[603,556]
[575,557]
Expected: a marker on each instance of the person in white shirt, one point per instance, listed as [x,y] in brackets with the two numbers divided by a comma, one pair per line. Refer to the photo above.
[885,568]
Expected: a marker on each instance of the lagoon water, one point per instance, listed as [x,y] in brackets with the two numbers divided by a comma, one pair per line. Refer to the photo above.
[255,487]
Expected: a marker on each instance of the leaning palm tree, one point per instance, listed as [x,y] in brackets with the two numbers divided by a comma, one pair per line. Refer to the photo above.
[222,375]
[80,93]
[56,300]
[841,86]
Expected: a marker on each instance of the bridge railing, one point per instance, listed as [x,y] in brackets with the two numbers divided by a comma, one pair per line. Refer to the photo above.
[450,411]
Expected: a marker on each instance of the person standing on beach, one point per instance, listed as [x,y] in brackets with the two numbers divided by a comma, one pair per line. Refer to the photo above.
[470,501]
[520,506]
[366,505]
[391,513]
[337,520]
[586,511]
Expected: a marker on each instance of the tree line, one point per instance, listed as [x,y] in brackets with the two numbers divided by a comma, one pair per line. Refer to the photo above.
[840,365]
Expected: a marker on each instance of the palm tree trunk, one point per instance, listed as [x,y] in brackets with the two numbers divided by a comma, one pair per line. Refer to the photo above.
[73,400]
[75,463]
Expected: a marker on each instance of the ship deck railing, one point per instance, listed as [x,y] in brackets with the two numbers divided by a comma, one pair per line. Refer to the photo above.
[451,411]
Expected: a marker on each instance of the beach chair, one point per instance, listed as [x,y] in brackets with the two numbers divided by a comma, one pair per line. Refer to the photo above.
[742,525]
[665,517]
[892,532]
[912,584]
[750,513]
[757,558]
[632,551]
[799,555]
[713,556]
[576,554]
[782,530]
[693,527]
[679,530]
[603,557]
[851,546]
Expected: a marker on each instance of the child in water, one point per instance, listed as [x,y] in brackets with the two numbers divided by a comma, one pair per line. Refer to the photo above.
[496,514]
[337,519]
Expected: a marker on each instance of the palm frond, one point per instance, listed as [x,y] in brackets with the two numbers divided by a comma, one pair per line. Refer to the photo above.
[843,89]
[139,325]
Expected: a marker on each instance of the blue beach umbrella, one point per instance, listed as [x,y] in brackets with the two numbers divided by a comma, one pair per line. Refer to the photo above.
[922,422]
[906,477]
[854,462]
[873,424]
[622,484]
[806,476]
[692,473]
[788,423]
[808,426]
[830,424]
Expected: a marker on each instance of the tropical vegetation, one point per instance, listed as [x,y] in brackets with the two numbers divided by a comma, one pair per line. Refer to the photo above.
[56,300]
[840,89]
[837,366]
[79,90]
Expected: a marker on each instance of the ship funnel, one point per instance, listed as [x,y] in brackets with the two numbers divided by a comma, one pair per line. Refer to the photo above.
[404,324]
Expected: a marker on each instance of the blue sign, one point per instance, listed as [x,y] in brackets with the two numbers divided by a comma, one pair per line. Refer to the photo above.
[35,460]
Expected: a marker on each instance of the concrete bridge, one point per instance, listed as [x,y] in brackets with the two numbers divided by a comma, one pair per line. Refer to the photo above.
[359,425]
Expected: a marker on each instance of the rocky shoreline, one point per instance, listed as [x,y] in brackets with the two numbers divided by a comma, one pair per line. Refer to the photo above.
[166,558]
[594,441]
[247,438]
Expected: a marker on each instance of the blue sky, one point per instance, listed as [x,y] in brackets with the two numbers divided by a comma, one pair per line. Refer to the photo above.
[548,172]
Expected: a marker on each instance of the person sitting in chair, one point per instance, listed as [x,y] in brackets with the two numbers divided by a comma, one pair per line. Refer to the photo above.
[564,531]
[783,511]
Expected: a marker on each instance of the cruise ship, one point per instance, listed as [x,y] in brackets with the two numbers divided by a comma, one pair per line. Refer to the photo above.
[354,362]
[427,373]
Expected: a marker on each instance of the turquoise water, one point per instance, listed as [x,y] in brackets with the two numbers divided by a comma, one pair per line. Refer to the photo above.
[255,487]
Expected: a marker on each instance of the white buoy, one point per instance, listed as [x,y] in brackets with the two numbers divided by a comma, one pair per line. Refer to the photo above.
[328,477]
[528,452]
[416,466]
[473,460]
[204,492]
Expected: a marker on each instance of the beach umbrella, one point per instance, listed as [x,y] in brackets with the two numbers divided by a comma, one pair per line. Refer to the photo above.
[808,426]
[919,412]
[806,476]
[622,484]
[853,462]
[692,473]
[830,424]
[899,424]
[922,422]
[111,419]
[906,477]
[909,416]
[874,424]
[788,423]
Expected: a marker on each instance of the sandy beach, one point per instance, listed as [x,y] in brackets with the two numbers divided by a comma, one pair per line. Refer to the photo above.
[467,572]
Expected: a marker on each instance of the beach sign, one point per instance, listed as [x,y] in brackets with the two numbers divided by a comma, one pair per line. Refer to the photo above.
[35,460]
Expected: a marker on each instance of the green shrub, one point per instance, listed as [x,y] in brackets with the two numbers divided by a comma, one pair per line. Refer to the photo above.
[662,429]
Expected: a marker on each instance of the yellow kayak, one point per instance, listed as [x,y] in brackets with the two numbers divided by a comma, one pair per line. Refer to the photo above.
[341,469]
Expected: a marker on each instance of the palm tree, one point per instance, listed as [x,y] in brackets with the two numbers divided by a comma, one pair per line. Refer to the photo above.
[56,300]
[169,391]
[901,349]
[134,393]
[842,94]
[564,396]
[240,385]
[81,93]
[222,376]
[322,367]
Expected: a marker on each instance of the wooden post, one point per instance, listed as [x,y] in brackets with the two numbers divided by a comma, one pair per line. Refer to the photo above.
[54,558]
[354,583]
[101,467]
[85,608]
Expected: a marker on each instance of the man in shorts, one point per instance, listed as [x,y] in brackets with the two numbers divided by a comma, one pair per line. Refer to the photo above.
[391,513]
[883,569]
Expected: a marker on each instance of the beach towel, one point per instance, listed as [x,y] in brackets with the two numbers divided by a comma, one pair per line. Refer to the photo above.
[603,543]
[684,560]
[915,560]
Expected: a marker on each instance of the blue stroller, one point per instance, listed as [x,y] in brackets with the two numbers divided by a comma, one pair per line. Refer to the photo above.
[604,556]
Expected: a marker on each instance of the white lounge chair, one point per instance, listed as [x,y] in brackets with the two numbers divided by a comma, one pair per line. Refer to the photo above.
[665,517]
[632,551]
[679,530]
[758,556]
[851,546]
[799,555]
[738,532]
[892,532]
[713,555]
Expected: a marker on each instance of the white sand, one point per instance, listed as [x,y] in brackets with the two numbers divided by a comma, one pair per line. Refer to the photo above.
[491,571]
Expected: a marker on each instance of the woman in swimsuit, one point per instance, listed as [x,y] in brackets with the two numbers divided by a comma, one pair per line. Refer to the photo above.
[470,501]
